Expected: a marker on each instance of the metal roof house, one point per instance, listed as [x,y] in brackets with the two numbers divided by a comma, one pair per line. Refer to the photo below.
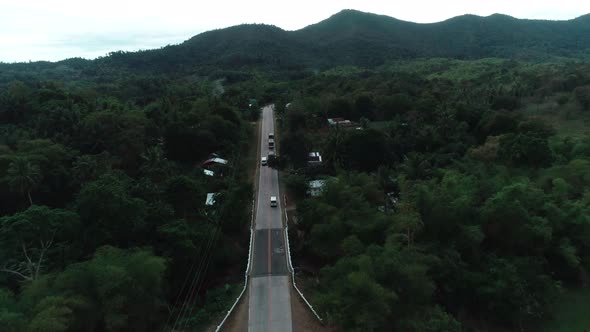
[214,161]
[340,122]
[214,166]
[210,199]
[314,158]
[315,187]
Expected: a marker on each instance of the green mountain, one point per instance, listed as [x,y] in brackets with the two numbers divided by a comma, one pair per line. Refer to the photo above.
[356,38]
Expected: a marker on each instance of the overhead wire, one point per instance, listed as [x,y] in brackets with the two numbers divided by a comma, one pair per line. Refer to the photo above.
[197,275]
[197,259]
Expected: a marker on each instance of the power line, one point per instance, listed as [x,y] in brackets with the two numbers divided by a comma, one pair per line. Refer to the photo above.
[201,281]
[196,284]
[201,247]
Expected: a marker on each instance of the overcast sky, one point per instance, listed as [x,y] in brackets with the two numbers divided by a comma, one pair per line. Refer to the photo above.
[58,29]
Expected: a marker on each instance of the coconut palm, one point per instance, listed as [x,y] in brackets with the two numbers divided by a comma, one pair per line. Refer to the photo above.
[155,163]
[23,176]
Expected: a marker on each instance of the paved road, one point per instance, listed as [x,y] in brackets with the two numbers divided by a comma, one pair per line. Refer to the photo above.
[268,182]
[269,253]
[269,307]
[270,304]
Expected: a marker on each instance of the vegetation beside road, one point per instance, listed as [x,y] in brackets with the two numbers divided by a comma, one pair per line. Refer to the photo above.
[459,194]
[103,222]
[490,218]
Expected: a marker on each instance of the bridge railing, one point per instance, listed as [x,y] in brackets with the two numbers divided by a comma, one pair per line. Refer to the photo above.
[245,274]
[291,263]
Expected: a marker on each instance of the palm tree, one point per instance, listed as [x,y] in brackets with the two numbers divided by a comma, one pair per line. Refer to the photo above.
[335,144]
[90,167]
[155,163]
[408,222]
[23,176]
[85,169]
[415,166]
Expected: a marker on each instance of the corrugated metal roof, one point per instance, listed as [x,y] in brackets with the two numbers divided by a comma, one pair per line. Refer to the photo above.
[210,199]
[215,161]
[316,184]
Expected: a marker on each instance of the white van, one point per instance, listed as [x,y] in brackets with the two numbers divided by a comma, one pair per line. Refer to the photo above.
[273,201]
[263,161]
[271,135]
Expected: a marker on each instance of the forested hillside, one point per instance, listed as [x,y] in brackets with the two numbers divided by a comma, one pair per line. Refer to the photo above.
[363,39]
[349,38]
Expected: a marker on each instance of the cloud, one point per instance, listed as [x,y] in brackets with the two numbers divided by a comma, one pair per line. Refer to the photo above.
[27,46]
[115,41]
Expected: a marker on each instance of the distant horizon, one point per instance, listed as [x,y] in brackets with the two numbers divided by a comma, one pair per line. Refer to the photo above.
[63,30]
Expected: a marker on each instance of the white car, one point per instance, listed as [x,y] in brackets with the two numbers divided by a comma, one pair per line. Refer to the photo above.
[273,201]
[264,161]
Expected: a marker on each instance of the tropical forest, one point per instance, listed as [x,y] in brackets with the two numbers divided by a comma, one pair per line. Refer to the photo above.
[453,192]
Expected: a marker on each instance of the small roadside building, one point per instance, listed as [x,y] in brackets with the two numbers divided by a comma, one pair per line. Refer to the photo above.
[210,201]
[315,187]
[216,161]
[214,165]
[314,158]
[340,122]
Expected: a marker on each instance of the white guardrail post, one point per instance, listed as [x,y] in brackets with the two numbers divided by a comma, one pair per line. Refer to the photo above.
[245,274]
[291,263]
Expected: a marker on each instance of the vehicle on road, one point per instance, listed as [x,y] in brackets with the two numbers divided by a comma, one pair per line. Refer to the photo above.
[263,161]
[273,201]
[271,135]
[271,143]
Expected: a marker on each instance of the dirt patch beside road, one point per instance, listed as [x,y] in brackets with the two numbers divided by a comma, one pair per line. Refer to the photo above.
[238,320]
[303,319]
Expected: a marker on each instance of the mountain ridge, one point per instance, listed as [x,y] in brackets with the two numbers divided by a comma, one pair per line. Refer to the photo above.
[352,37]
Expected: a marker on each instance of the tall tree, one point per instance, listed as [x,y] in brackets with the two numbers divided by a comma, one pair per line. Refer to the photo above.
[116,290]
[28,239]
[23,176]
[111,215]
[155,164]
[407,222]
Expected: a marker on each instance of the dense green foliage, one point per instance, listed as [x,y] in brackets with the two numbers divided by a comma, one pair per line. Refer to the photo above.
[490,220]
[102,201]
[347,38]
[362,39]
[457,199]
[570,312]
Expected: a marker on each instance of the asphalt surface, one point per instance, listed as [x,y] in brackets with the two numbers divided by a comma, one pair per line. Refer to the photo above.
[269,241]
[270,304]
[268,182]
[269,301]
